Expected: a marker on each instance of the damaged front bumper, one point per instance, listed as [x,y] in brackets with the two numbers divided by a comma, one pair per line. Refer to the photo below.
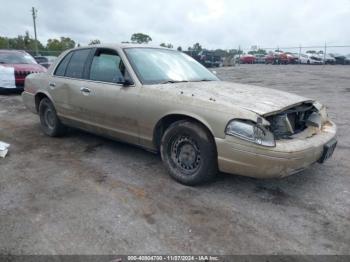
[290,156]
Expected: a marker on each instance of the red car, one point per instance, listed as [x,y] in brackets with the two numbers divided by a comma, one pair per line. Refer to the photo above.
[277,57]
[15,65]
[292,58]
[270,59]
[280,57]
[247,59]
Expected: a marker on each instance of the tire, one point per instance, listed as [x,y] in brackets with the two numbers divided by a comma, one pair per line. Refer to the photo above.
[189,153]
[50,123]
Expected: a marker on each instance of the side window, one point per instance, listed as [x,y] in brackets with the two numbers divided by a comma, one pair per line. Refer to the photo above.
[107,66]
[75,68]
[61,69]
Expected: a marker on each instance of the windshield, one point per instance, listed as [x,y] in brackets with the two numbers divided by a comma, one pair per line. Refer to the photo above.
[16,58]
[156,66]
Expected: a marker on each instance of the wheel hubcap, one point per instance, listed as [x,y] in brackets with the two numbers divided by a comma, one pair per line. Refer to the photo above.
[49,118]
[185,154]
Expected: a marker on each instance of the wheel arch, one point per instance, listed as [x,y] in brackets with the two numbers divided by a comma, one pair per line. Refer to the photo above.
[38,97]
[168,119]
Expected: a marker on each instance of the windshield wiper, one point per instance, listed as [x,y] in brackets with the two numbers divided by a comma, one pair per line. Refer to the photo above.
[203,80]
[173,82]
[185,81]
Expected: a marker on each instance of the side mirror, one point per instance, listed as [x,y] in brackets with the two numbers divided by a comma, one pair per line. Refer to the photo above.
[127,82]
[124,81]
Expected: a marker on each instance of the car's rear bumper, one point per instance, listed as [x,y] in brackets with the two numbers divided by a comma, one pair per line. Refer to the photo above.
[288,157]
[29,101]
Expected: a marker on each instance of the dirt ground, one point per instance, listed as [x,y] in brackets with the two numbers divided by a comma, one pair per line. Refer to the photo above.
[82,194]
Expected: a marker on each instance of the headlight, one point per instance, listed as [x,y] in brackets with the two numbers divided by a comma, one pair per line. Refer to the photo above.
[250,131]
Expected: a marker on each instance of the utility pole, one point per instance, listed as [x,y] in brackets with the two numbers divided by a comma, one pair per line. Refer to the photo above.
[325,52]
[34,14]
[239,55]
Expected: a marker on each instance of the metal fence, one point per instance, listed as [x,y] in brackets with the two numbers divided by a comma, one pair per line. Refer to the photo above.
[323,49]
[326,49]
[44,52]
[231,56]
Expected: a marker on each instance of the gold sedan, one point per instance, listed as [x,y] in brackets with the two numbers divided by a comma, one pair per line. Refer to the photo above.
[165,101]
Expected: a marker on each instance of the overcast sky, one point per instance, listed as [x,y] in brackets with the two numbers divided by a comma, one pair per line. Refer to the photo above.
[213,23]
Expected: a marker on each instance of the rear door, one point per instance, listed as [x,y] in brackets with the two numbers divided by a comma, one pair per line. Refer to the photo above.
[100,99]
[69,73]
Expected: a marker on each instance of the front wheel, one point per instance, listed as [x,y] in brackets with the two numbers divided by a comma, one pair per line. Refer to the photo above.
[50,123]
[189,153]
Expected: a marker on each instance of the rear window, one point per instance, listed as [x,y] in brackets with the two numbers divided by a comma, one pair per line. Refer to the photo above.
[16,58]
[75,68]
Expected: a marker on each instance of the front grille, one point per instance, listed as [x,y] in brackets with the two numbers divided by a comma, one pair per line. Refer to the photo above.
[21,73]
[291,121]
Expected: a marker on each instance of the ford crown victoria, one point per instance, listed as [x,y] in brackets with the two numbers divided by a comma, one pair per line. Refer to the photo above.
[165,101]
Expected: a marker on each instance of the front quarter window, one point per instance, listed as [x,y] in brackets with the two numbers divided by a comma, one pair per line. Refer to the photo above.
[107,66]
[155,66]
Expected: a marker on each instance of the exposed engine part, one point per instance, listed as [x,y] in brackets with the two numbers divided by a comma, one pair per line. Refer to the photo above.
[281,126]
[294,120]
[314,120]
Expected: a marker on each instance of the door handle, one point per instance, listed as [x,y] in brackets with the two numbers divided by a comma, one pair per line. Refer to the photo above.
[52,84]
[85,90]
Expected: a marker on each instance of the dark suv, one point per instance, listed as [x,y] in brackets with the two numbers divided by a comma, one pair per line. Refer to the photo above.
[209,59]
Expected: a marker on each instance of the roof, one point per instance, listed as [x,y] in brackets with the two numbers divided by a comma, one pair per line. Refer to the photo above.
[45,56]
[12,51]
[125,46]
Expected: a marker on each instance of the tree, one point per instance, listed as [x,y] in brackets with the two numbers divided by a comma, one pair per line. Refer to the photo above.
[221,53]
[195,50]
[59,45]
[258,52]
[179,49]
[141,38]
[20,42]
[4,42]
[166,45]
[17,42]
[235,52]
[29,43]
[95,42]
[197,47]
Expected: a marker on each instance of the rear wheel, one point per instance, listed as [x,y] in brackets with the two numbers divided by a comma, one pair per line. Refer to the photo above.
[50,123]
[189,153]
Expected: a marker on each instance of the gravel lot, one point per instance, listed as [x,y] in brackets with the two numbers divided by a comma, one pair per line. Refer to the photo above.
[82,194]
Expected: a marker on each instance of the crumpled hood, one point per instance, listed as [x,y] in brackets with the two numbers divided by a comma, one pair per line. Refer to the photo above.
[258,99]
